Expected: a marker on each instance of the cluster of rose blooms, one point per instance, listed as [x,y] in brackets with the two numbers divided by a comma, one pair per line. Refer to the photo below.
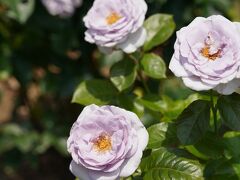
[107,142]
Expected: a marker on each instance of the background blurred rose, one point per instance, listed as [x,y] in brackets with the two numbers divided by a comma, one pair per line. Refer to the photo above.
[62,8]
[207,54]
[106,142]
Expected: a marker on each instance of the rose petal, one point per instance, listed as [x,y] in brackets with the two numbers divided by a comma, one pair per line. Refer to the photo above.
[99,175]
[195,83]
[228,88]
[79,171]
[133,41]
[130,165]
[177,68]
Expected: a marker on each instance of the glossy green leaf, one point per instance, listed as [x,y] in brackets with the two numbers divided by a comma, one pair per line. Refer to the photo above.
[162,134]
[123,74]
[153,66]
[222,169]
[229,108]
[209,147]
[193,123]
[159,28]
[98,92]
[232,142]
[162,164]
[169,108]
[128,102]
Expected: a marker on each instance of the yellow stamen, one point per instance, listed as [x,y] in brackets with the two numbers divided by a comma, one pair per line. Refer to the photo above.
[103,143]
[212,57]
[113,18]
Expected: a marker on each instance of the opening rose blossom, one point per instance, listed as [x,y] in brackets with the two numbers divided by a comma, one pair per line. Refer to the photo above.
[207,54]
[62,8]
[106,143]
[116,24]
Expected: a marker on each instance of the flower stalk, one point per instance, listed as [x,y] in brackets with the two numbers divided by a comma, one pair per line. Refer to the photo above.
[214,111]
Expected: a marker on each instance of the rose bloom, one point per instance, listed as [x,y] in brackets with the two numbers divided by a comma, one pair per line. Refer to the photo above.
[62,8]
[116,24]
[207,54]
[106,143]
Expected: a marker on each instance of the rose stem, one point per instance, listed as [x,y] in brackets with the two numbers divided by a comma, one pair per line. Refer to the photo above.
[140,73]
[214,110]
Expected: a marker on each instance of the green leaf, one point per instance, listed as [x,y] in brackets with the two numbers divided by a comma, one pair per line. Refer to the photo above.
[19,10]
[229,108]
[162,164]
[209,147]
[98,92]
[161,134]
[123,74]
[128,102]
[223,169]
[232,142]
[154,66]
[169,108]
[193,123]
[5,67]
[159,28]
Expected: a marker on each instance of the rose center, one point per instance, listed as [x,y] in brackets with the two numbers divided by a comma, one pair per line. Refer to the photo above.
[112,18]
[211,56]
[103,143]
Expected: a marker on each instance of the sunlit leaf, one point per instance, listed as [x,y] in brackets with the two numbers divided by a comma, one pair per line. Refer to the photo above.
[159,28]
[162,164]
[98,92]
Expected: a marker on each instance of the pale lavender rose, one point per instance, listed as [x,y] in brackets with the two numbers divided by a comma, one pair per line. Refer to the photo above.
[106,143]
[62,8]
[207,54]
[116,24]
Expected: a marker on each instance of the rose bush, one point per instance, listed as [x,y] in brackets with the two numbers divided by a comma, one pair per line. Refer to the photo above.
[62,8]
[105,143]
[207,54]
[116,24]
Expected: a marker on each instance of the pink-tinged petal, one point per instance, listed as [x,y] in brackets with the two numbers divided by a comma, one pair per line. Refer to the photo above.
[79,171]
[133,41]
[100,175]
[177,68]
[85,112]
[228,88]
[131,164]
[195,83]
[237,24]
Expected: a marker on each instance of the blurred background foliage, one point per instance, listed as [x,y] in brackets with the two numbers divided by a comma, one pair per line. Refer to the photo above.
[43,59]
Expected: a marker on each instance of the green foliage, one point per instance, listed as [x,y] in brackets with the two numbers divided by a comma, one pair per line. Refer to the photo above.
[14,136]
[162,134]
[19,10]
[193,123]
[169,108]
[209,147]
[232,141]
[159,28]
[162,164]
[153,66]
[123,74]
[229,108]
[98,92]
[222,169]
